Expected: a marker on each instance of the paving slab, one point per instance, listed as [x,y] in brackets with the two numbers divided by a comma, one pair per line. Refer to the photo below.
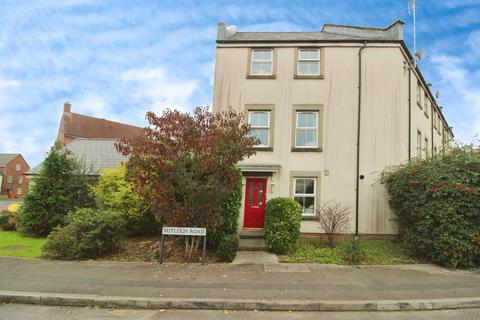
[255,257]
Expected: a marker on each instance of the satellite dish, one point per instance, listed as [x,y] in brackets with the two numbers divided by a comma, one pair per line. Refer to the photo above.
[437,94]
[231,30]
[419,54]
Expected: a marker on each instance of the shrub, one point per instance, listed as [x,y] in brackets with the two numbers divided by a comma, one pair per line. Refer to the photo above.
[333,218]
[228,247]
[116,193]
[354,252]
[8,220]
[89,234]
[229,214]
[61,187]
[437,202]
[282,224]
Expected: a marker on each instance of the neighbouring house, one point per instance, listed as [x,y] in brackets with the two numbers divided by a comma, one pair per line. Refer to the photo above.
[13,183]
[74,125]
[91,140]
[331,110]
[94,154]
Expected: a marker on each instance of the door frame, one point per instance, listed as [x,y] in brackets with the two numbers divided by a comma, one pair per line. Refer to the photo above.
[245,199]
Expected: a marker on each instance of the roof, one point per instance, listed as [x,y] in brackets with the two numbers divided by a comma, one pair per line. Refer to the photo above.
[5,158]
[78,125]
[329,32]
[97,154]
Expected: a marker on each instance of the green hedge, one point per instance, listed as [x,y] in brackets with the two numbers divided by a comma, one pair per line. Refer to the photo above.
[437,202]
[228,247]
[282,224]
[115,192]
[230,213]
[89,234]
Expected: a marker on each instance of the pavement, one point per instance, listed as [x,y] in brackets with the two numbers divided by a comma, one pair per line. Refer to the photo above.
[31,312]
[309,287]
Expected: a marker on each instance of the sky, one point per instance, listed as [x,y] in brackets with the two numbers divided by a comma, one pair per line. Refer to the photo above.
[116,59]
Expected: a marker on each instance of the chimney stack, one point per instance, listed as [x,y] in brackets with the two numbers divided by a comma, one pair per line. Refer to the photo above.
[67,106]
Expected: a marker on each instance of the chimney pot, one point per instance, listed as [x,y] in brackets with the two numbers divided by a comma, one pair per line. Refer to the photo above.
[67,107]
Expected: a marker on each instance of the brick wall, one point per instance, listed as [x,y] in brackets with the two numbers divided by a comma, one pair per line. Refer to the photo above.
[14,181]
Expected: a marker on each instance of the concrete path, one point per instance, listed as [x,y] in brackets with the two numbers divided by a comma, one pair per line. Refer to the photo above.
[303,286]
[30,312]
[255,257]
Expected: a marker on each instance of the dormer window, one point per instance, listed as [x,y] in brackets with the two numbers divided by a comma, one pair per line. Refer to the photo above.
[261,62]
[308,62]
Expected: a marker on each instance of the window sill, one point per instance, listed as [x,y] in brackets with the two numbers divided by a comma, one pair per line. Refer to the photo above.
[308,77]
[249,76]
[310,218]
[306,149]
[269,149]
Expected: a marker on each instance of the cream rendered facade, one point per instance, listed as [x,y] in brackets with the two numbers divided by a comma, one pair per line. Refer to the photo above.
[359,66]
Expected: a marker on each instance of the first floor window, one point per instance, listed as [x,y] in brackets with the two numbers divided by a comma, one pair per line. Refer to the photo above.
[260,127]
[306,130]
[19,191]
[426,147]
[9,179]
[304,193]
[419,143]
[262,62]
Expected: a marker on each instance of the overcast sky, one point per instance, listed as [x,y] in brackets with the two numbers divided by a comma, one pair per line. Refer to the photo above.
[117,59]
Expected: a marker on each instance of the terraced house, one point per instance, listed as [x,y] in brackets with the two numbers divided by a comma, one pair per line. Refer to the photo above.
[331,110]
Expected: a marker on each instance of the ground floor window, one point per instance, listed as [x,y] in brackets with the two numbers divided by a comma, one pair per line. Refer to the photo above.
[304,190]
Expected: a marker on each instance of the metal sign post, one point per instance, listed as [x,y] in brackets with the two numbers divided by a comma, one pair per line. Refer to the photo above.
[176,231]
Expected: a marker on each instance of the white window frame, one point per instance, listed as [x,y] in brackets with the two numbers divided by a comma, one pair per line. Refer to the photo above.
[419,143]
[9,179]
[262,61]
[268,112]
[419,95]
[18,167]
[308,60]
[20,180]
[19,191]
[314,195]
[306,128]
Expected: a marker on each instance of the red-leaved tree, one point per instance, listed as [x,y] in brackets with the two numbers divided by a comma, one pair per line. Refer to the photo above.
[183,165]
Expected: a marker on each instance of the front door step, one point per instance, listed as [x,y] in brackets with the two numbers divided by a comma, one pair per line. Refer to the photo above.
[255,244]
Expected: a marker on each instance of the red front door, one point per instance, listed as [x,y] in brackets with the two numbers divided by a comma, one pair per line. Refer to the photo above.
[255,198]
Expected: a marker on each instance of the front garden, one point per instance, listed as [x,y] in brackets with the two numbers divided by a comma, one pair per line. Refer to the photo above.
[181,173]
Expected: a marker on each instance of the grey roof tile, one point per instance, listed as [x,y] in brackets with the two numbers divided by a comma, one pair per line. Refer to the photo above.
[5,158]
[97,154]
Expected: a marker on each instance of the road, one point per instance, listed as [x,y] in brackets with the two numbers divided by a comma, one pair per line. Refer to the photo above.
[31,312]
[4,203]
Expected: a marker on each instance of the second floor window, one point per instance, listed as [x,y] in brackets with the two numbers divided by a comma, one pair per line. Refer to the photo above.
[262,62]
[9,179]
[17,167]
[260,127]
[20,180]
[419,94]
[306,131]
[308,62]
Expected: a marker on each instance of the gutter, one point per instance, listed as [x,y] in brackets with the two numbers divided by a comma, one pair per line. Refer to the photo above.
[358,176]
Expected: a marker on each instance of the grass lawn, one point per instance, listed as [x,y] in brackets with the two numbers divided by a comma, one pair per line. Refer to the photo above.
[14,244]
[376,252]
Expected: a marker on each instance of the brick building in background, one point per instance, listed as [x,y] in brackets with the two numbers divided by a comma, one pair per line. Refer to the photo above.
[74,125]
[13,183]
